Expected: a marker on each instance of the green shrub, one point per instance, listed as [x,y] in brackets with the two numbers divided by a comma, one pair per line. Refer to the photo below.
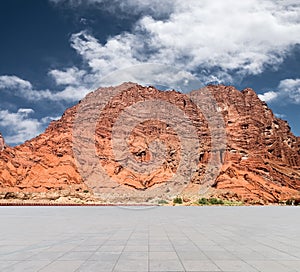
[162,202]
[177,200]
[210,201]
[203,201]
[86,191]
[215,201]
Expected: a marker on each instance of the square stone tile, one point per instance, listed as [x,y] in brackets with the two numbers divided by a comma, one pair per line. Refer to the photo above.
[136,248]
[26,266]
[118,249]
[199,266]
[168,255]
[249,255]
[17,256]
[270,266]
[76,256]
[137,242]
[165,265]
[235,266]
[86,248]
[140,265]
[192,255]
[161,248]
[291,264]
[5,264]
[134,256]
[65,266]
[105,256]
[97,266]
[46,256]
[220,255]
[120,242]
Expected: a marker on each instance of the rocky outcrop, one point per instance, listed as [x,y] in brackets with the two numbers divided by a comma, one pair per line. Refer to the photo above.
[260,164]
[45,163]
[262,161]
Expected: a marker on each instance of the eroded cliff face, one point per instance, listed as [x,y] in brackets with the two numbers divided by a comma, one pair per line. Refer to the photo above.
[260,164]
[44,163]
[262,161]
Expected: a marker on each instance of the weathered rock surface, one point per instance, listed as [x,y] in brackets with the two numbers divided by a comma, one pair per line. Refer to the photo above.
[45,163]
[261,163]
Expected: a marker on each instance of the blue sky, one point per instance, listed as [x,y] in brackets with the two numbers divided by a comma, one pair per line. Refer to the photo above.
[53,52]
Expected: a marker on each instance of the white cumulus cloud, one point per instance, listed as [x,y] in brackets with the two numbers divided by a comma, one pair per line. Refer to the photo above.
[290,88]
[21,126]
[215,41]
[288,91]
[69,76]
[268,96]
[201,34]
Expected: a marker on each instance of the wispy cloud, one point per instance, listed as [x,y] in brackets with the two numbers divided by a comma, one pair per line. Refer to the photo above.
[74,90]
[14,82]
[280,115]
[153,7]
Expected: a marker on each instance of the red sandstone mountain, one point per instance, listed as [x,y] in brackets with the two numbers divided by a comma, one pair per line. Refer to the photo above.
[2,142]
[261,162]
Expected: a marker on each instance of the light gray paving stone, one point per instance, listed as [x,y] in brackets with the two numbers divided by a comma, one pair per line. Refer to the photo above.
[235,266]
[192,255]
[26,266]
[96,266]
[5,264]
[220,255]
[164,238]
[291,264]
[165,265]
[64,266]
[118,249]
[137,242]
[270,266]
[139,265]
[17,256]
[161,248]
[200,265]
[86,248]
[76,256]
[134,256]
[136,248]
[168,255]
[105,256]
[46,256]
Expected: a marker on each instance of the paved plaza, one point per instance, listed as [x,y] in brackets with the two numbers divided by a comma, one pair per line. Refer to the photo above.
[265,239]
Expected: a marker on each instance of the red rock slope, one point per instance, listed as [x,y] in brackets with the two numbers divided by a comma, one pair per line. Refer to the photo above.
[261,162]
